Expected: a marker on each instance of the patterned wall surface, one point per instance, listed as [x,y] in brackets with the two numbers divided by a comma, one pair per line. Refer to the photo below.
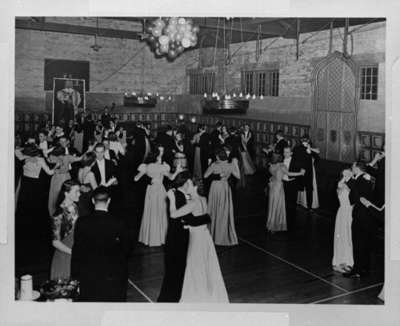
[370,143]
[335,109]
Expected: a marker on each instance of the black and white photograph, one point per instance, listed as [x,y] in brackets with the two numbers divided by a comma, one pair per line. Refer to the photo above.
[181,163]
[212,160]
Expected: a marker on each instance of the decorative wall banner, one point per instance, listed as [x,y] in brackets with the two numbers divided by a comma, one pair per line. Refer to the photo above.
[68,99]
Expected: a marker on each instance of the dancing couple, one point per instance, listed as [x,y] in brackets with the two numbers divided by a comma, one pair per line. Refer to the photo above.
[192,272]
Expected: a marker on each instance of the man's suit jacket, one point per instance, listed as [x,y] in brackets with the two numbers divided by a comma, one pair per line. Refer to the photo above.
[379,174]
[214,138]
[280,145]
[295,166]
[360,187]
[305,161]
[113,156]
[140,142]
[99,257]
[109,171]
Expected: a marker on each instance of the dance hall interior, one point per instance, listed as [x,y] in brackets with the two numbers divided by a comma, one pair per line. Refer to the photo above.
[200,159]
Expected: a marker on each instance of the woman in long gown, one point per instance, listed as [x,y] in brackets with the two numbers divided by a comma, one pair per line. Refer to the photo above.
[61,174]
[276,217]
[203,281]
[220,205]
[153,228]
[247,163]
[63,231]
[342,241]
[197,164]
[31,217]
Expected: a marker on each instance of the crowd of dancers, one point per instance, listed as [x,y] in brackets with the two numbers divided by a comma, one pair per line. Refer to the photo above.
[178,190]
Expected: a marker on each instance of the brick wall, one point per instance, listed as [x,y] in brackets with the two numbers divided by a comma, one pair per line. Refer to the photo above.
[113,70]
[367,45]
[294,104]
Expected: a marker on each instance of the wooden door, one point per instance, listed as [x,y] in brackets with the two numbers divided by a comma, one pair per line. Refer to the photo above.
[334,125]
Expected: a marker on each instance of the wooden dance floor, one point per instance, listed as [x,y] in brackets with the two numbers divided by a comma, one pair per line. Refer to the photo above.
[267,268]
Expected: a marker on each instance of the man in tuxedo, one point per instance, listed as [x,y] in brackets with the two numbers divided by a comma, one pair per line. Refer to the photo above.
[177,241]
[109,154]
[103,169]
[59,132]
[304,155]
[363,223]
[100,252]
[376,168]
[65,142]
[291,187]
[280,143]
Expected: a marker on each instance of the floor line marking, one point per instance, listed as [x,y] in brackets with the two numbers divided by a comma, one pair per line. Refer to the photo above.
[346,294]
[293,265]
[139,290]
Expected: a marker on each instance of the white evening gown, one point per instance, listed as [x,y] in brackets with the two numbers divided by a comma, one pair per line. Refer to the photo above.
[203,282]
[342,242]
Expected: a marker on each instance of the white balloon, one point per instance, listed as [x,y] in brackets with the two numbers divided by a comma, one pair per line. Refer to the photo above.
[186,43]
[163,39]
[181,20]
[188,27]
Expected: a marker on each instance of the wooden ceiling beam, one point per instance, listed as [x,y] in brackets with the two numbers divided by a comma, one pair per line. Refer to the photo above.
[76,29]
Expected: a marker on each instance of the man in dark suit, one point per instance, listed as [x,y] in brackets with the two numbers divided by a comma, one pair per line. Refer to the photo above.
[304,155]
[280,143]
[291,187]
[99,254]
[205,146]
[176,244]
[376,168]
[166,140]
[215,140]
[109,154]
[363,223]
[142,142]
[106,118]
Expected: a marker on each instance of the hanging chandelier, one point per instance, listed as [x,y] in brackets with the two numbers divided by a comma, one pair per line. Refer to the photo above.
[141,99]
[96,47]
[226,103]
[171,36]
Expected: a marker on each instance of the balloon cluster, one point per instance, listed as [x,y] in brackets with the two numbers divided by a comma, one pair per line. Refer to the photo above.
[171,36]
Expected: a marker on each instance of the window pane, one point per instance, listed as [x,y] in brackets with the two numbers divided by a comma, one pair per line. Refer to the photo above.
[363,72]
[369,83]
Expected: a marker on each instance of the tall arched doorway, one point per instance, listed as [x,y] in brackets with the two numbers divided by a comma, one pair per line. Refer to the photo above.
[335,106]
